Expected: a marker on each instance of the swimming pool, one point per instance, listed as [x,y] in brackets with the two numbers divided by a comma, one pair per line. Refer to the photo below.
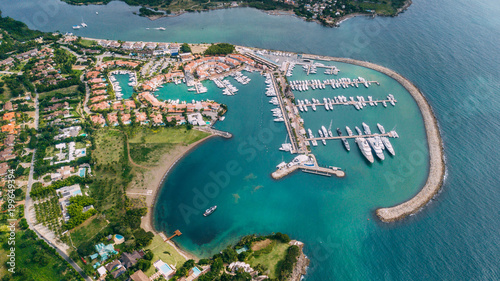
[82,172]
[165,268]
[196,271]
[118,236]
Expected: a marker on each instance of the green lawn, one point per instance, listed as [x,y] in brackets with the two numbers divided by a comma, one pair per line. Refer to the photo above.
[177,135]
[165,252]
[85,232]
[148,145]
[87,43]
[270,260]
[63,91]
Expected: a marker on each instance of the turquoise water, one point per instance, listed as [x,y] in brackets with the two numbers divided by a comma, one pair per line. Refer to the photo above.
[127,90]
[449,49]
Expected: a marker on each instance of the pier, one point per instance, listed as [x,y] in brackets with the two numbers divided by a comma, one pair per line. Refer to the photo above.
[349,102]
[315,169]
[353,137]
[165,239]
[291,135]
[213,131]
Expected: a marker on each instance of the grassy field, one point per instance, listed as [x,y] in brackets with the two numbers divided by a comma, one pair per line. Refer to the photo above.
[63,91]
[270,260]
[87,43]
[165,252]
[148,145]
[87,231]
[109,146]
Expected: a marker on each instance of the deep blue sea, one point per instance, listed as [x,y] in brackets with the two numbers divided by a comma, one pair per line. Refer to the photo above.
[449,49]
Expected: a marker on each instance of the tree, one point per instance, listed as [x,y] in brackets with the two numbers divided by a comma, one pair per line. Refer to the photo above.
[229,255]
[185,48]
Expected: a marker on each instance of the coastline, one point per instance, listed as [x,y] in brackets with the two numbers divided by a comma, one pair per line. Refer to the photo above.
[437,167]
[158,176]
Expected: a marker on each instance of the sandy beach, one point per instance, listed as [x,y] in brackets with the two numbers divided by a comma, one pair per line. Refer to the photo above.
[153,179]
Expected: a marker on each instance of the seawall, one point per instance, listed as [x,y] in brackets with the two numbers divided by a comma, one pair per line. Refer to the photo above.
[434,142]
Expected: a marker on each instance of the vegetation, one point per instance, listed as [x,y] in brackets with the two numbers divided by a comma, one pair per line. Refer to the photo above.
[18,30]
[286,266]
[185,48]
[219,49]
[145,12]
[35,260]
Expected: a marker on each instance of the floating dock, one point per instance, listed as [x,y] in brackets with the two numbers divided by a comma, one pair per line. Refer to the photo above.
[390,134]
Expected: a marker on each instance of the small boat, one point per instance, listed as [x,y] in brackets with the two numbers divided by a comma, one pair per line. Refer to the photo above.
[209,211]
[96,13]
[76,27]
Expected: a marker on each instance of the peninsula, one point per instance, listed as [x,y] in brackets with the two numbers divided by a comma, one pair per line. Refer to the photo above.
[328,13]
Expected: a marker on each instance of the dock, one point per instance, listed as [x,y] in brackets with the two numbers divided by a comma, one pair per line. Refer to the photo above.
[316,169]
[165,239]
[353,137]
[291,136]
[349,102]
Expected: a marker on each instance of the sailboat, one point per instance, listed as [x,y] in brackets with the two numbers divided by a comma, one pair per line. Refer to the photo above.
[83,24]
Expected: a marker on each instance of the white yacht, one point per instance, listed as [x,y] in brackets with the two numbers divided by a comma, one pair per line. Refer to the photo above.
[349,132]
[381,128]
[366,128]
[376,147]
[365,149]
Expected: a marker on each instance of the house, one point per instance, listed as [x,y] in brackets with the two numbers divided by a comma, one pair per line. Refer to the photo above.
[9,116]
[9,140]
[10,128]
[7,61]
[62,173]
[129,104]
[115,268]
[141,117]
[139,276]
[7,154]
[196,119]
[157,119]
[98,119]
[8,106]
[185,57]
[101,270]
[113,119]
[4,167]
[130,259]
[125,118]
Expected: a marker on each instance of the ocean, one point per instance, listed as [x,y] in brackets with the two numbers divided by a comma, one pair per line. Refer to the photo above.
[449,49]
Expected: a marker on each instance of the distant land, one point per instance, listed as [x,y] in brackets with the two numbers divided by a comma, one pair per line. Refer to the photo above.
[328,13]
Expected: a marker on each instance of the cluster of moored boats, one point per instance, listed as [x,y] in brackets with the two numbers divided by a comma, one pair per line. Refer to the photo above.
[199,88]
[132,81]
[366,142]
[238,76]
[270,92]
[311,67]
[303,85]
[359,103]
[228,88]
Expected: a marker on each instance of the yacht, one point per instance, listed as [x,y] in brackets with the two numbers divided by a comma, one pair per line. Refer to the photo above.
[209,211]
[366,128]
[388,145]
[381,128]
[344,140]
[359,131]
[349,132]
[76,27]
[365,149]
[325,132]
[376,147]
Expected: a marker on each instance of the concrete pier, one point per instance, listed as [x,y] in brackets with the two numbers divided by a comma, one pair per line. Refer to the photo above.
[316,169]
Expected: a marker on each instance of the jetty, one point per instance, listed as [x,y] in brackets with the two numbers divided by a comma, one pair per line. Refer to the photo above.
[390,134]
[165,239]
[346,103]
[310,166]
[291,135]
[213,131]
